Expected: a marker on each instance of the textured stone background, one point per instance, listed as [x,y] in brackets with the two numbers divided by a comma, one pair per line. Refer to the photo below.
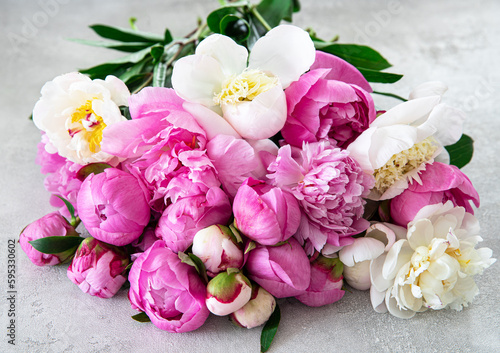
[453,41]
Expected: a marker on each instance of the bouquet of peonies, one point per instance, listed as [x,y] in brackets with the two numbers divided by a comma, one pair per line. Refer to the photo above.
[250,164]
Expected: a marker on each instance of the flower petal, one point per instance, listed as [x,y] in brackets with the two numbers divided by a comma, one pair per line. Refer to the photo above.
[427,89]
[211,122]
[362,249]
[232,57]
[196,78]
[260,118]
[286,51]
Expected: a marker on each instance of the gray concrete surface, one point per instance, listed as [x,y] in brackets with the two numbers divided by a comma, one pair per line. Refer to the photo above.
[453,41]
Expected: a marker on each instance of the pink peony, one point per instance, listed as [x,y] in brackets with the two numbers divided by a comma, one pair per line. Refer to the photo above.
[61,176]
[283,271]
[98,268]
[439,183]
[113,207]
[265,214]
[183,219]
[326,283]
[330,101]
[49,225]
[160,139]
[329,186]
[170,292]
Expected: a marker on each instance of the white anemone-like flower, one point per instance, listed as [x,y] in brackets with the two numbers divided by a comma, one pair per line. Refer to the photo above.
[73,111]
[400,142]
[433,266]
[249,97]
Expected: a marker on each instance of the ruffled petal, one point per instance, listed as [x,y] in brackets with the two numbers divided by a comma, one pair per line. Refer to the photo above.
[232,57]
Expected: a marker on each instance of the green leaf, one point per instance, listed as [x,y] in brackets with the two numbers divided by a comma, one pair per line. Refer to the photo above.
[235,27]
[125,47]
[215,17]
[273,11]
[391,95]
[132,58]
[71,210]
[157,52]
[56,244]
[92,168]
[125,35]
[200,266]
[296,5]
[270,329]
[141,317]
[167,37]
[360,56]
[461,152]
[103,70]
[133,71]
[159,74]
[379,77]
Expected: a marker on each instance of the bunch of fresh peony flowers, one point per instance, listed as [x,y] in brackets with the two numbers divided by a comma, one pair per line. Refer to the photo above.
[195,204]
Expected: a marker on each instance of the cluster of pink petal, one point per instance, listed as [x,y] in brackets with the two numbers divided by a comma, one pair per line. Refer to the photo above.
[329,186]
[61,176]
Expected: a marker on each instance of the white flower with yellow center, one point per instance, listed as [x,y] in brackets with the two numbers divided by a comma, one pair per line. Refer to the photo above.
[249,97]
[74,110]
[400,142]
[433,266]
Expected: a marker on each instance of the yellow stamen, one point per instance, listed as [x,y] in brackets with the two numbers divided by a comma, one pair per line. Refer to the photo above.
[89,124]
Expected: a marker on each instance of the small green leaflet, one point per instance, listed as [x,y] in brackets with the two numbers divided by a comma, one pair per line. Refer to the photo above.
[71,210]
[270,329]
[380,77]
[92,168]
[273,11]
[125,35]
[193,260]
[357,55]
[141,317]
[131,47]
[56,244]
[461,152]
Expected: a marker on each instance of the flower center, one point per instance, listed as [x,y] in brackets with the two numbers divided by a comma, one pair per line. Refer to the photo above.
[404,162]
[245,87]
[86,122]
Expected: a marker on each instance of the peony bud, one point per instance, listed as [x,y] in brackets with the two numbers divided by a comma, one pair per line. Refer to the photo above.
[357,256]
[218,248]
[257,311]
[265,213]
[113,206]
[326,282]
[49,225]
[98,268]
[228,292]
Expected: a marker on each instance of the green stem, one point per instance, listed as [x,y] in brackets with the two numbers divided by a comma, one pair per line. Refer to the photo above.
[261,19]
[391,95]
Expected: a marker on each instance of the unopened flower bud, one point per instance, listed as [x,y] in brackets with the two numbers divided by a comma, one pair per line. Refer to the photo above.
[218,248]
[228,292]
[257,311]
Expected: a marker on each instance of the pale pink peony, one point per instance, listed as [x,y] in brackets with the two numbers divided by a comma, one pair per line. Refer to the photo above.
[330,187]
[283,270]
[332,101]
[113,207]
[265,214]
[49,225]
[438,183]
[98,268]
[170,292]
[159,141]
[184,218]
[61,176]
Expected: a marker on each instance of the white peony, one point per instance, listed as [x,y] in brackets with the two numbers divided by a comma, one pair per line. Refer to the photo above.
[73,111]
[400,142]
[249,97]
[433,266]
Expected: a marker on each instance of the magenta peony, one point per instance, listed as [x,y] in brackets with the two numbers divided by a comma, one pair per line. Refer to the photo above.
[113,207]
[439,183]
[265,214]
[98,268]
[183,219]
[330,187]
[283,271]
[49,225]
[170,292]
[332,101]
